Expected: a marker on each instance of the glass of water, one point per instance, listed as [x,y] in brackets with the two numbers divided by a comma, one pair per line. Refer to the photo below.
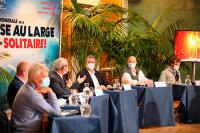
[116,85]
[187,80]
[73,99]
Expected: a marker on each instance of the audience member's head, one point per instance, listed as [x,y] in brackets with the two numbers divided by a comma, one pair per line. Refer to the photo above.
[132,62]
[22,70]
[61,66]
[90,62]
[174,63]
[38,74]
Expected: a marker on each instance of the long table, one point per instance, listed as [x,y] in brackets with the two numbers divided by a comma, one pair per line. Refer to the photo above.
[155,106]
[104,107]
[118,112]
[189,96]
[75,124]
[127,117]
[103,110]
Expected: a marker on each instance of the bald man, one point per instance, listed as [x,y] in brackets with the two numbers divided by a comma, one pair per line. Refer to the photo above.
[19,79]
[132,75]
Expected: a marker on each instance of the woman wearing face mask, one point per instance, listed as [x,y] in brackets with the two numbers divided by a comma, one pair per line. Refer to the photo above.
[93,77]
[134,76]
[171,74]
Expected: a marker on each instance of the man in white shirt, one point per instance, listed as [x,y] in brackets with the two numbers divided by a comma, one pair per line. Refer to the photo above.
[93,77]
[132,75]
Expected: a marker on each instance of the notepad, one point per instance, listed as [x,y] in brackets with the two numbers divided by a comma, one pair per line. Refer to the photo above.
[197,82]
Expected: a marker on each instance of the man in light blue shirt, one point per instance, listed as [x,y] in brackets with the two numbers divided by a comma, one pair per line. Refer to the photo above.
[29,104]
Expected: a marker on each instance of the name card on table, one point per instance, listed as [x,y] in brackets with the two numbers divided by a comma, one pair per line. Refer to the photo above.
[127,87]
[197,82]
[160,84]
[61,102]
[98,92]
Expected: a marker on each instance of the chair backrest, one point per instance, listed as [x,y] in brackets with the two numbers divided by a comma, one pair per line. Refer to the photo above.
[5,126]
[107,74]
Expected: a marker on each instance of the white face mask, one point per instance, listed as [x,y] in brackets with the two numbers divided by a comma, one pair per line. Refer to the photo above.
[90,66]
[176,67]
[131,65]
[45,82]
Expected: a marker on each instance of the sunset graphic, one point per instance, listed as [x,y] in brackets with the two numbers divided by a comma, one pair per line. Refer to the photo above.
[187,45]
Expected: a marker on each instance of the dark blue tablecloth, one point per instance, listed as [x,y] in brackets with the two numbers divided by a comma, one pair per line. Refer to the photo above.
[126,104]
[190,98]
[75,124]
[156,106]
[71,107]
[103,107]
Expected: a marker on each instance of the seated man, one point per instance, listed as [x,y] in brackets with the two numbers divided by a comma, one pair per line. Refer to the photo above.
[59,78]
[29,104]
[134,76]
[93,77]
[171,74]
[20,79]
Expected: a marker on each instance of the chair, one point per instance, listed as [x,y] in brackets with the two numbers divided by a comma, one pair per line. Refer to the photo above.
[45,120]
[107,74]
[4,123]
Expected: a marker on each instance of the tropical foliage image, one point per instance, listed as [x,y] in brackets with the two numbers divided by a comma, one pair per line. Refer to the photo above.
[118,32]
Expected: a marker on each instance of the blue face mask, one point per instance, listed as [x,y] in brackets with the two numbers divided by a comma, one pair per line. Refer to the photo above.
[45,82]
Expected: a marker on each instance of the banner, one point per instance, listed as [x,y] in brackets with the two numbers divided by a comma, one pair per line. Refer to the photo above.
[29,30]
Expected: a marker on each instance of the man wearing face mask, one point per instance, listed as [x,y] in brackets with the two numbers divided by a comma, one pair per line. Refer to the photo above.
[29,104]
[93,77]
[59,79]
[132,75]
[19,79]
[171,74]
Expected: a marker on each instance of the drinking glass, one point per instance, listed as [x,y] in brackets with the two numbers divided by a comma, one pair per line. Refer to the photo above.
[187,80]
[86,109]
[73,99]
[86,90]
[116,85]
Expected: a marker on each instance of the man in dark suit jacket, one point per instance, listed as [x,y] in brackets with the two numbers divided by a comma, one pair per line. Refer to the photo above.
[93,77]
[20,78]
[60,82]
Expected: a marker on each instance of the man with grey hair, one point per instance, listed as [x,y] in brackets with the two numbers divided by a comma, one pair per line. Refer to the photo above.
[93,77]
[29,104]
[59,78]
